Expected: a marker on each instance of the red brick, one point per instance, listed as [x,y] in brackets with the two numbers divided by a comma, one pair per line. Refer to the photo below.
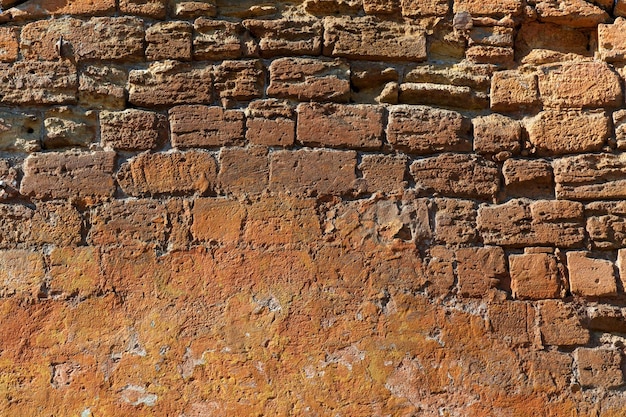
[287,36]
[535,276]
[38,83]
[560,324]
[496,134]
[217,220]
[513,91]
[243,171]
[307,172]
[204,126]
[22,273]
[599,367]
[132,129]
[307,79]
[341,126]
[9,45]
[239,80]
[87,177]
[174,172]
[219,39]
[590,277]
[169,40]
[271,123]
[455,221]
[479,270]
[383,173]
[155,9]
[591,177]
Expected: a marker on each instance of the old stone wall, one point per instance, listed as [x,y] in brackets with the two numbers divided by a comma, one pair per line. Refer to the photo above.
[313,208]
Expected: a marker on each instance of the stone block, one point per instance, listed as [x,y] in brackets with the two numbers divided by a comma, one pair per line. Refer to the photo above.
[270,122]
[479,270]
[169,40]
[287,36]
[590,277]
[132,129]
[536,276]
[205,126]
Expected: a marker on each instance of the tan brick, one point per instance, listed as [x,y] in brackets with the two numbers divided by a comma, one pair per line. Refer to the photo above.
[271,123]
[169,40]
[383,173]
[621,267]
[155,9]
[572,13]
[619,122]
[560,324]
[102,87]
[243,171]
[87,177]
[369,38]
[307,79]
[513,322]
[606,224]
[513,91]
[318,172]
[205,126]
[495,134]
[22,273]
[132,130]
[184,9]
[457,175]
[611,42]
[74,271]
[599,367]
[56,8]
[534,43]
[455,221]
[174,172]
[68,126]
[287,36]
[170,83]
[422,8]
[382,7]
[580,85]
[38,83]
[340,125]
[489,8]
[590,277]
[479,270]
[535,276]
[442,95]
[424,130]
[20,132]
[9,44]
[590,177]
[492,36]
[218,220]
[487,54]
[219,39]
[239,80]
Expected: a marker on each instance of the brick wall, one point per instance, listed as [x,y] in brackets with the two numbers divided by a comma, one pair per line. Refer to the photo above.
[313,208]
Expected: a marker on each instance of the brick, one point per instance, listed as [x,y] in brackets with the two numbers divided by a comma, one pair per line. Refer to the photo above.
[205,126]
[217,220]
[271,123]
[67,126]
[74,272]
[560,324]
[477,77]
[488,8]
[520,223]
[20,132]
[439,270]
[535,276]
[169,40]
[22,273]
[319,172]
[340,125]
[590,277]
[621,267]
[132,129]
[456,175]
[102,87]
[599,367]
[369,38]
[219,39]
[9,44]
[496,134]
[479,270]
[513,91]
[329,7]
[174,172]
[491,36]
[307,79]
[572,13]
[555,132]
[442,95]
[455,221]
[421,8]
[528,177]
[606,224]
[590,177]
[54,8]
[8,176]
[383,173]
[487,54]
[38,83]
[155,9]
[287,36]
[611,42]
[85,176]
[239,80]
[243,171]
[184,9]
[534,43]
[619,122]
[580,85]
[382,7]
[131,223]
[170,83]
[550,370]
[513,322]
[620,8]
[425,130]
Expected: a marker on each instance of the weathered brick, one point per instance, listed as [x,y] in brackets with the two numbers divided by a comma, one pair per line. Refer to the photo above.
[534,43]
[590,177]
[329,7]
[287,36]
[56,8]
[74,271]
[491,36]
[496,134]
[535,276]
[439,270]
[441,95]
[307,172]
[271,123]
[102,87]
[606,224]
[155,9]
[421,8]
[205,126]
[9,44]
[217,220]
[424,130]
[20,132]
[621,267]
[528,177]
[169,40]
[512,321]
[457,175]
[9,177]
[383,173]
[67,126]
[488,8]
[132,129]
[619,122]
[22,273]
[580,85]
[32,82]
[513,91]
[620,8]
[219,39]
[590,277]
[369,38]
[87,177]
[599,367]
[170,83]
[572,13]
[555,132]
[340,125]
[239,80]
[382,7]
[455,221]
[173,172]
[560,324]
[243,171]
[611,42]
[307,79]
[487,54]
[520,223]
[479,270]
[184,9]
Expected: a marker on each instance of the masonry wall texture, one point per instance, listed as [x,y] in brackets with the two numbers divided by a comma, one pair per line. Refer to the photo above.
[313,208]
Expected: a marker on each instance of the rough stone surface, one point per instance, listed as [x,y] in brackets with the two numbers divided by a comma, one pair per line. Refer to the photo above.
[535,276]
[205,126]
[599,367]
[590,277]
[287,36]
[270,123]
[512,91]
[589,177]
[169,40]
[132,130]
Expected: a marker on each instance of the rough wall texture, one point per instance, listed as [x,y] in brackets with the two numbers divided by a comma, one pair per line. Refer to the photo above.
[313,208]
